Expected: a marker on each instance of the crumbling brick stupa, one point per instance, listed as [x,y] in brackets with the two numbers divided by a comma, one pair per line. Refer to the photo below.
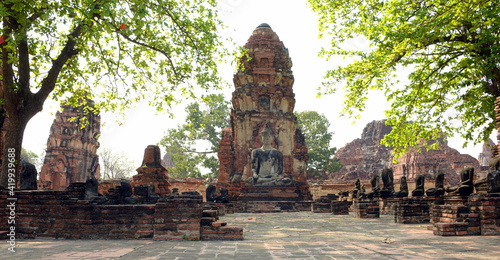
[71,153]
[263,101]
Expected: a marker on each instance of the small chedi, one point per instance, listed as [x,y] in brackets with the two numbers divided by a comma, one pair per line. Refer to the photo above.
[263,149]
[151,171]
[71,153]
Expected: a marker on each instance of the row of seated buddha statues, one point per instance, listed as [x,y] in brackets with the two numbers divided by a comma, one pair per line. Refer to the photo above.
[464,188]
[387,190]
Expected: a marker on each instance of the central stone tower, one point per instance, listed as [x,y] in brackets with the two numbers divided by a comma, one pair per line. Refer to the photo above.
[263,100]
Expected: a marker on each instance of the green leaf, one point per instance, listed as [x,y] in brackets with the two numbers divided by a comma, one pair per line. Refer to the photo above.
[425,56]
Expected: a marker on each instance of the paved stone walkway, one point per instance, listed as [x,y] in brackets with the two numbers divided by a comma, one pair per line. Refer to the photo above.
[300,235]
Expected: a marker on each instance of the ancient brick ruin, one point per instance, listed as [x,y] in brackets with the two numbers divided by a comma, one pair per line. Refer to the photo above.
[365,157]
[263,99]
[263,125]
[444,159]
[151,171]
[64,214]
[71,153]
[146,209]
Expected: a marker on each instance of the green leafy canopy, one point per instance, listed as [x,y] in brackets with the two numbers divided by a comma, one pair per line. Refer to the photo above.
[202,128]
[125,51]
[315,126]
[438,63]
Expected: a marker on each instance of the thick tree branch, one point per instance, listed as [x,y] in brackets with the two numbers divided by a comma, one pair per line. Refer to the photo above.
[169,58]
[35,16]
[49,82]
[8,93]
[24,67]
[493,84]
[206,152]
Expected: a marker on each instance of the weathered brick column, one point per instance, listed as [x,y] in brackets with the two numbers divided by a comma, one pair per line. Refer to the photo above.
[489,208]
[178,217]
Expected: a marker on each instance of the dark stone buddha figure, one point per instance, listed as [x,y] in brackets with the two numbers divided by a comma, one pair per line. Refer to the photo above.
[493,178]
[403,188]
[388,182]
[438,190]
[419,186]
[465,187]
[375,182]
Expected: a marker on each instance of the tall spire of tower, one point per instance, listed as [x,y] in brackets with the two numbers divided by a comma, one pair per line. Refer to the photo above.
[268,72]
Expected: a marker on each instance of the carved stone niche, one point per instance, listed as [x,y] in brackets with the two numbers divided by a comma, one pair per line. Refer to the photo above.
[264,103]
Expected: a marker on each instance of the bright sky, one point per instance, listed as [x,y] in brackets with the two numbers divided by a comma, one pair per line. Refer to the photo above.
[296,26]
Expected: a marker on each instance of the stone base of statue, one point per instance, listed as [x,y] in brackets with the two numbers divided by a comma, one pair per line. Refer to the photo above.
[489,208]
[273,182]
[264,193]
[366,208]
[478,215]
[388,205]
[457,219]
[455,200]
[413,210]
[262,199]
[341,207]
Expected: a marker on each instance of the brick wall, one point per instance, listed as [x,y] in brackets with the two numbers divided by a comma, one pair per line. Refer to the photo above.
[59,214]
[178,218]
[55,214]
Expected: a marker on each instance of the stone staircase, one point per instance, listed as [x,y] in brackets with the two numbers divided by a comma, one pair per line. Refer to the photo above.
[212,229]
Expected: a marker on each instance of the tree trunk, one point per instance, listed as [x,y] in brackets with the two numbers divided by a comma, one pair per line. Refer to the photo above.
[3,124]
[497,121]
[12,149]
